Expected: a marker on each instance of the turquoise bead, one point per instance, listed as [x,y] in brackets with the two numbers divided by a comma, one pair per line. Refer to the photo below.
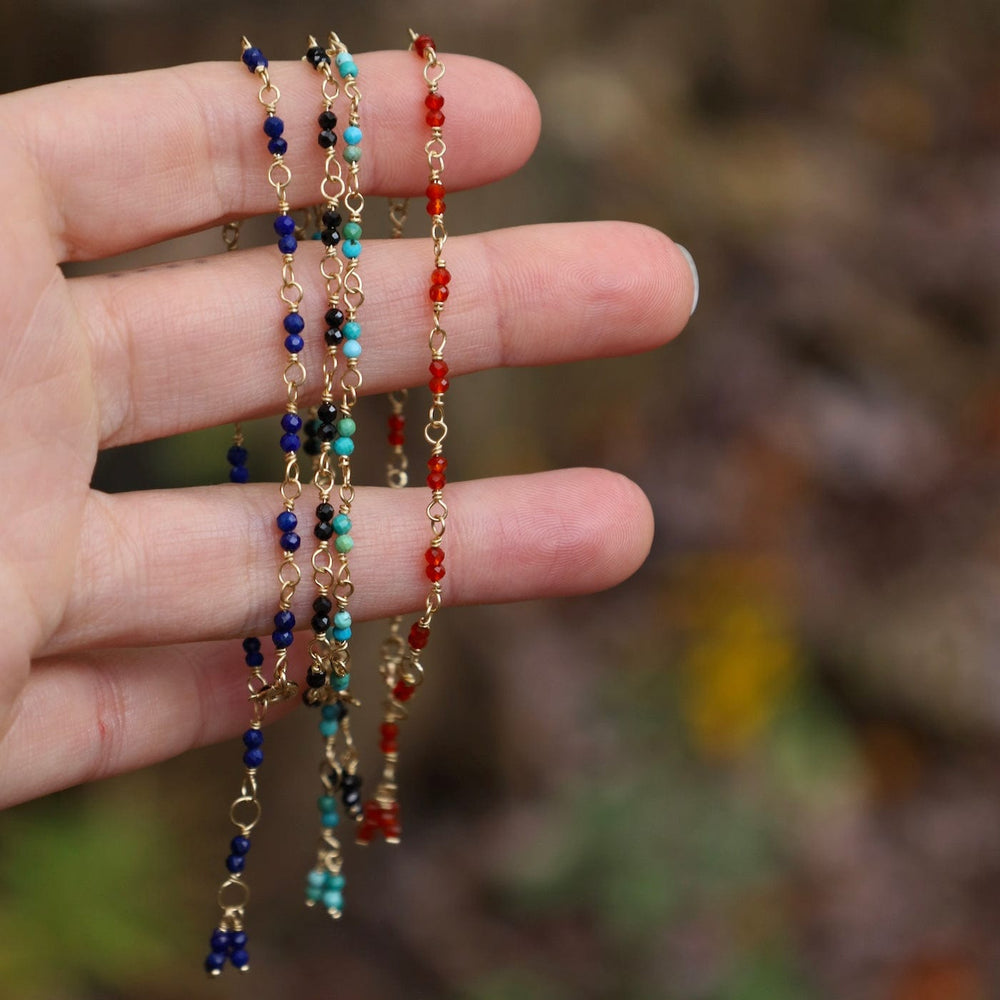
[342,619]
[316,235]
[317,879]
[347,69]
[327,803]
[314,893]
[344,446]
[344,543]
[342,57]
[341,683]
[342,524]
[351,349]
[352,135]
[328,727]
[352,154]
[333,899]
[351,249]
[346,427]
[341,634]
[334,881]
[329,820]
[352,231]
[351,330]
[332,712]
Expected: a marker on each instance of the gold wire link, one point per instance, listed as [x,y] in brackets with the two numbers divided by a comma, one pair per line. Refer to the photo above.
[231,234]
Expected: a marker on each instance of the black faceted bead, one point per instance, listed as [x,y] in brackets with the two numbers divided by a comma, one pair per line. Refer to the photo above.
[326,413]
[333,337]
[327,120]
[324,532]
[320,623]
[327,139]
[332,219]
[316,56]
[322,605]
[327,432]
[315,678]
[334,317]
[325,512]
[330,237]
[350,782]
[351,797]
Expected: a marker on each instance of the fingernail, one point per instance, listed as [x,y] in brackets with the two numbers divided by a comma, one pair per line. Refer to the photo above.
[694,275]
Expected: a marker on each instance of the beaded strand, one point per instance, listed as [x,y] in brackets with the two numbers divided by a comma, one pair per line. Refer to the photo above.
[329,677]
[381,812]
[228,942]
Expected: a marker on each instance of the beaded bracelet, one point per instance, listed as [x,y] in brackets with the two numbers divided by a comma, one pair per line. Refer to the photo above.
[402,677]
[228,941]
[329,677]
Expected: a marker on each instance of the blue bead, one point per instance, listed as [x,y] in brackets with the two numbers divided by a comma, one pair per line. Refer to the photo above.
[342,445]
[347,69]
[220,940]
[215,961]
[254,58]
[287,521]
[329,819]
[238,939]
[251,644]
[342,619]
[291,422]
[351,249]
[273,126]
[294,323]
[287,244]
[340,683]
[237,455]
[294,343]
[284,620]
[352,135]
[351,349]
[239,845]
[316,878]
[282,640]
[334,881]
[333,899]
[328,728]
[253,738]
[327,804]
[241,474]
[290,442]
[240,959]
[342,57]
[254,757]
[235,863]
[277,147]
[284,225]
[313,893]
[255,659]
[341,634]
[334,711]
[290,541]
[342,524]
[352,330]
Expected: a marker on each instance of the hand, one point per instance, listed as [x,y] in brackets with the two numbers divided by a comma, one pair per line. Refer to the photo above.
[122,612]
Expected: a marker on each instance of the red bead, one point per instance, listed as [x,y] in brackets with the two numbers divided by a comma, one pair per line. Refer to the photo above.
[388,746]
[435,207]
[436,481]
[397,439]
[440,276]
[434,101]
[435,190]
[389,729]
[438,293]
[403,691]
[438,367]
[372,811]
[422,43]
[396,422]
[419,634]
[437,463]
[435,119]
[439,385]
[435,573]
[434,556]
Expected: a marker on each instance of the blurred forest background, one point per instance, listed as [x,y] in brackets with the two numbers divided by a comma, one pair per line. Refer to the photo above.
[766,768]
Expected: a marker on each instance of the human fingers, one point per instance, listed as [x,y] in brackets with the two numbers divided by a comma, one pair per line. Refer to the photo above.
[202,563]
[170,361]
[124,161]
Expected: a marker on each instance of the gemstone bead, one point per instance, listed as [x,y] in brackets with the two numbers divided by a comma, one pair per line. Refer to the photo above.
[238,939]
[333,337]
[278,147]
[438,368]
[344,445]
[284,620]
[332,220]
[352,135]
[315,678]
[294,343]
[215,961]
[334,316]
[422,43]
[352,330]
[287,244]
[287,521]
[328,728]
[316,56]
[320,623]
[352,231]
[436,481]
[342,524]
[323,531]
[342,619]
[291,422]
[294,323]
[284,225]
[435,119]
[241,474]
[351,249]
[352,349]
[329,819]
[332,899]
[220,940]
[327,139]
[438,293]
[240,959]
[326,803]
[251,644]
[346,426]
[282,640]
[434,102]
[327,120]
[253,738]
[352,154]
[438,386]
[341,634]
[327,432]
[330,237]
[290,442]
[235,863]
[316,878]
[435,190]
[347,69]
[237,455]
[254,59]
[255,659]
[435,206]
[435,573]
[325,512]
[434,556]
[322,605]
[440,276]
[403,691]
[326,412]
[290,541]
[239,845]
[437,463]
[419,635]
[253,757]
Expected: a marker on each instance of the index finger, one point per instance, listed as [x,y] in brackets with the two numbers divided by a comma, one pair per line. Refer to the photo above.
[125,161]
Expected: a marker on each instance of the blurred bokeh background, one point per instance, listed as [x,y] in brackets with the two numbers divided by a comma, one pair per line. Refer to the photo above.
[767,766]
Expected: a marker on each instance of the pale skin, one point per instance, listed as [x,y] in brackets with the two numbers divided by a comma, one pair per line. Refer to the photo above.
[123,611]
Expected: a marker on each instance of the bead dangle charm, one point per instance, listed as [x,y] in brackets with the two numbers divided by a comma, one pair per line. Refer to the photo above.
[329,674]
[229,940]
[403,674]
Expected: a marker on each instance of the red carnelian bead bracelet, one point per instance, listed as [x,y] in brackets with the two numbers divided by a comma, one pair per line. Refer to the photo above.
[402,670]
